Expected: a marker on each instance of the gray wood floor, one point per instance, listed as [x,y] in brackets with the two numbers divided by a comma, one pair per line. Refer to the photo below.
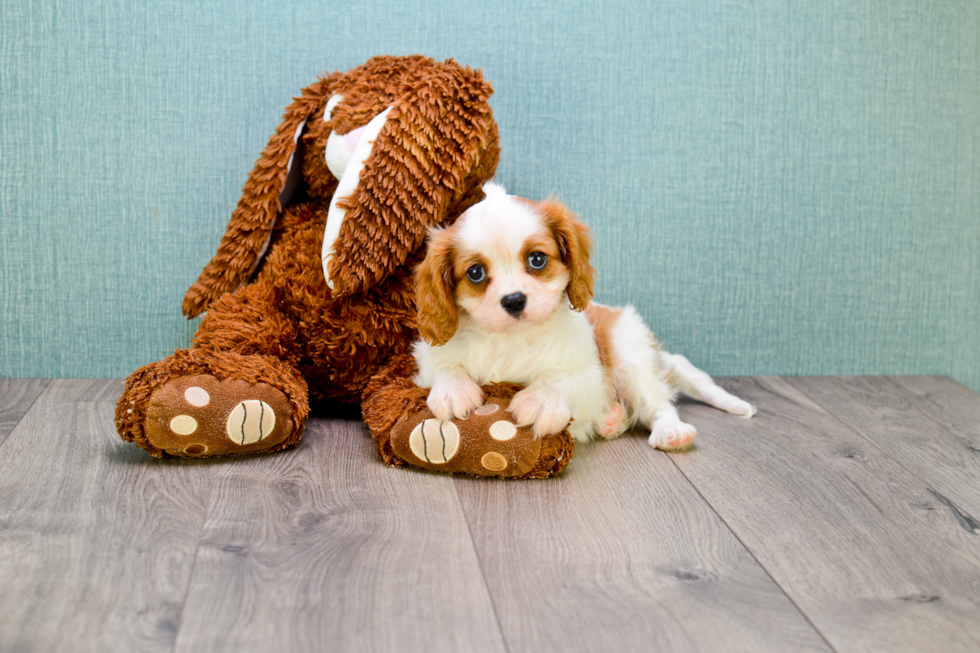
[840,518]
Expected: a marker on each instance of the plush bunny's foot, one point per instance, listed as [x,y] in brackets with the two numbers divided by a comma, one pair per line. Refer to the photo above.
[203,416]
[486,443]
[200,404]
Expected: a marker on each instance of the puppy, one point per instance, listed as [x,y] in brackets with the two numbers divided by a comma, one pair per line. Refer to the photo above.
[505,295]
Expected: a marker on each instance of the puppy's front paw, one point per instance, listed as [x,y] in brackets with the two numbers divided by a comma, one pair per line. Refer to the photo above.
[548,412]
[672,435]
[454,399]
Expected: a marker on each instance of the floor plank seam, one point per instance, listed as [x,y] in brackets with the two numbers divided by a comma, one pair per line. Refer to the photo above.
[483,573]
[190,577]
[874,444]
[44,391]
[754,557]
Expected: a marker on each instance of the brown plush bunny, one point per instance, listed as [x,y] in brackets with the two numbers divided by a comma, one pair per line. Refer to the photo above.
[310,293]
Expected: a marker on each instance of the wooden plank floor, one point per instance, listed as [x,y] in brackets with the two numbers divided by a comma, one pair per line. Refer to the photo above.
[843,517]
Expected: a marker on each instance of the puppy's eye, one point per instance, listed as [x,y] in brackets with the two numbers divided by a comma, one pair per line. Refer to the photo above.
[537,260]
[476,273]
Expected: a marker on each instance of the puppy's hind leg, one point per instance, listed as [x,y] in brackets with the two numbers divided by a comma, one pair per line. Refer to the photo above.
[650,399]
[646,394]
[669,432]
[696,384]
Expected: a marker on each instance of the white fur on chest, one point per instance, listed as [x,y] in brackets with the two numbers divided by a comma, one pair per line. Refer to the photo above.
[521,355]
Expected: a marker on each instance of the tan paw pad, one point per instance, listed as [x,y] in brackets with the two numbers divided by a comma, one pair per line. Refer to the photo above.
[183,425]
[487,409]
[197,396]
[502,430]
[494,462]
[434,441]
[250,421]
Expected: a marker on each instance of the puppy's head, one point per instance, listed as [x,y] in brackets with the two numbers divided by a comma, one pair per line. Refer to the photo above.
[507,260]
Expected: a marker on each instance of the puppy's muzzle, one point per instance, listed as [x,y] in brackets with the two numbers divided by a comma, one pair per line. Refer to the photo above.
[514,303]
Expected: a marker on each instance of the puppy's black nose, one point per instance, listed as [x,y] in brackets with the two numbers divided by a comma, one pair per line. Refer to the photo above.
[514,303]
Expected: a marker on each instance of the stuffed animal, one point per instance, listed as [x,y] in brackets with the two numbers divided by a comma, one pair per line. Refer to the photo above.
[309,298]
[485,443]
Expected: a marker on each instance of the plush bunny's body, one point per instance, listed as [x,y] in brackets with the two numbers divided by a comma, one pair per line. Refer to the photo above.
[310,291]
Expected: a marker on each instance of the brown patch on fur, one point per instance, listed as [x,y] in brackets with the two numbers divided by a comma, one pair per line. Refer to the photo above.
[463,263]
[575,248]
[603,319]
[540,244]
[463,286]
[435,289]
[555,268]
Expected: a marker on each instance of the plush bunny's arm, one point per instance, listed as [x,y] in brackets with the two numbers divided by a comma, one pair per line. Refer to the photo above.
[251,223]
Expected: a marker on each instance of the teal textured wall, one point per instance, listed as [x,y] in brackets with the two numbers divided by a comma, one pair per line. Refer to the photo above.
[779,187]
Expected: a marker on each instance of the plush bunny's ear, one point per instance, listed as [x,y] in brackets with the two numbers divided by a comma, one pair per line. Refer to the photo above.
[276,175]
[434,147]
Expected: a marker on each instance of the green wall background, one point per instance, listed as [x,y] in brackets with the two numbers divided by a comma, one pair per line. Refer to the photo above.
[779,187]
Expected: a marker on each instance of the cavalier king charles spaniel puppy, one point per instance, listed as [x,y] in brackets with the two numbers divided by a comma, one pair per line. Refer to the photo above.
[504,294]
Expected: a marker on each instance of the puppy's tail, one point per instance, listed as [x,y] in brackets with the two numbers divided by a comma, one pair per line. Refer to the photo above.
[679,373]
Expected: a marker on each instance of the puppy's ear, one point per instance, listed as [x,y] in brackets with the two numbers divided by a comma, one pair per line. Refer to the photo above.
[575,245]
[438,316]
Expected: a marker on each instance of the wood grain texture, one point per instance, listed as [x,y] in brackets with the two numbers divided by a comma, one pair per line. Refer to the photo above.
[929,424]
[325,548]
[620,553]
[96,538]
[16,397]
[875,560]
[845,507]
